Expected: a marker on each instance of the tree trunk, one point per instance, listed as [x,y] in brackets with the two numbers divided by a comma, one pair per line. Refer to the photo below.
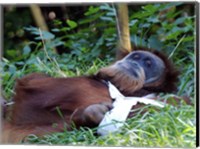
[123,28]
[38,17]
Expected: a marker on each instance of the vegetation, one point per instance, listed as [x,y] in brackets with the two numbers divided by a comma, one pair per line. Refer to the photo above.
[90,43]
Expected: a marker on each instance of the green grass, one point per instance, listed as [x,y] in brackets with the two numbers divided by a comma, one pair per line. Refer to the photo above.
[166,127]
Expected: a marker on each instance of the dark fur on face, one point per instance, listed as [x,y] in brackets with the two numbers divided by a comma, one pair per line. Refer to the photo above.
[170,78]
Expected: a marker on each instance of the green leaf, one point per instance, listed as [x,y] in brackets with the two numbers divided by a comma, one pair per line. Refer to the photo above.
[173,35]
[57,22]
[145,25]
[64,29]
[11,53]
[133,22]
[169,5]
[180,20]
[151,8]
[189,38]
[55,30]
[45,36]
[20,63]
[106,7]
[92,10]
[155,43]
[107,19]
[141,15]
[26,50]
[12,69]
[91,18]
[111,14]
[72,24]
[153,19]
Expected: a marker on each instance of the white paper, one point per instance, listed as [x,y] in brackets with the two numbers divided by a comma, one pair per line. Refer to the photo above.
[122,105]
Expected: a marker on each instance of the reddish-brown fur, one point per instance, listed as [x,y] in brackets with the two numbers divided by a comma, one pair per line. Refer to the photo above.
[40,99]
[37,95]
